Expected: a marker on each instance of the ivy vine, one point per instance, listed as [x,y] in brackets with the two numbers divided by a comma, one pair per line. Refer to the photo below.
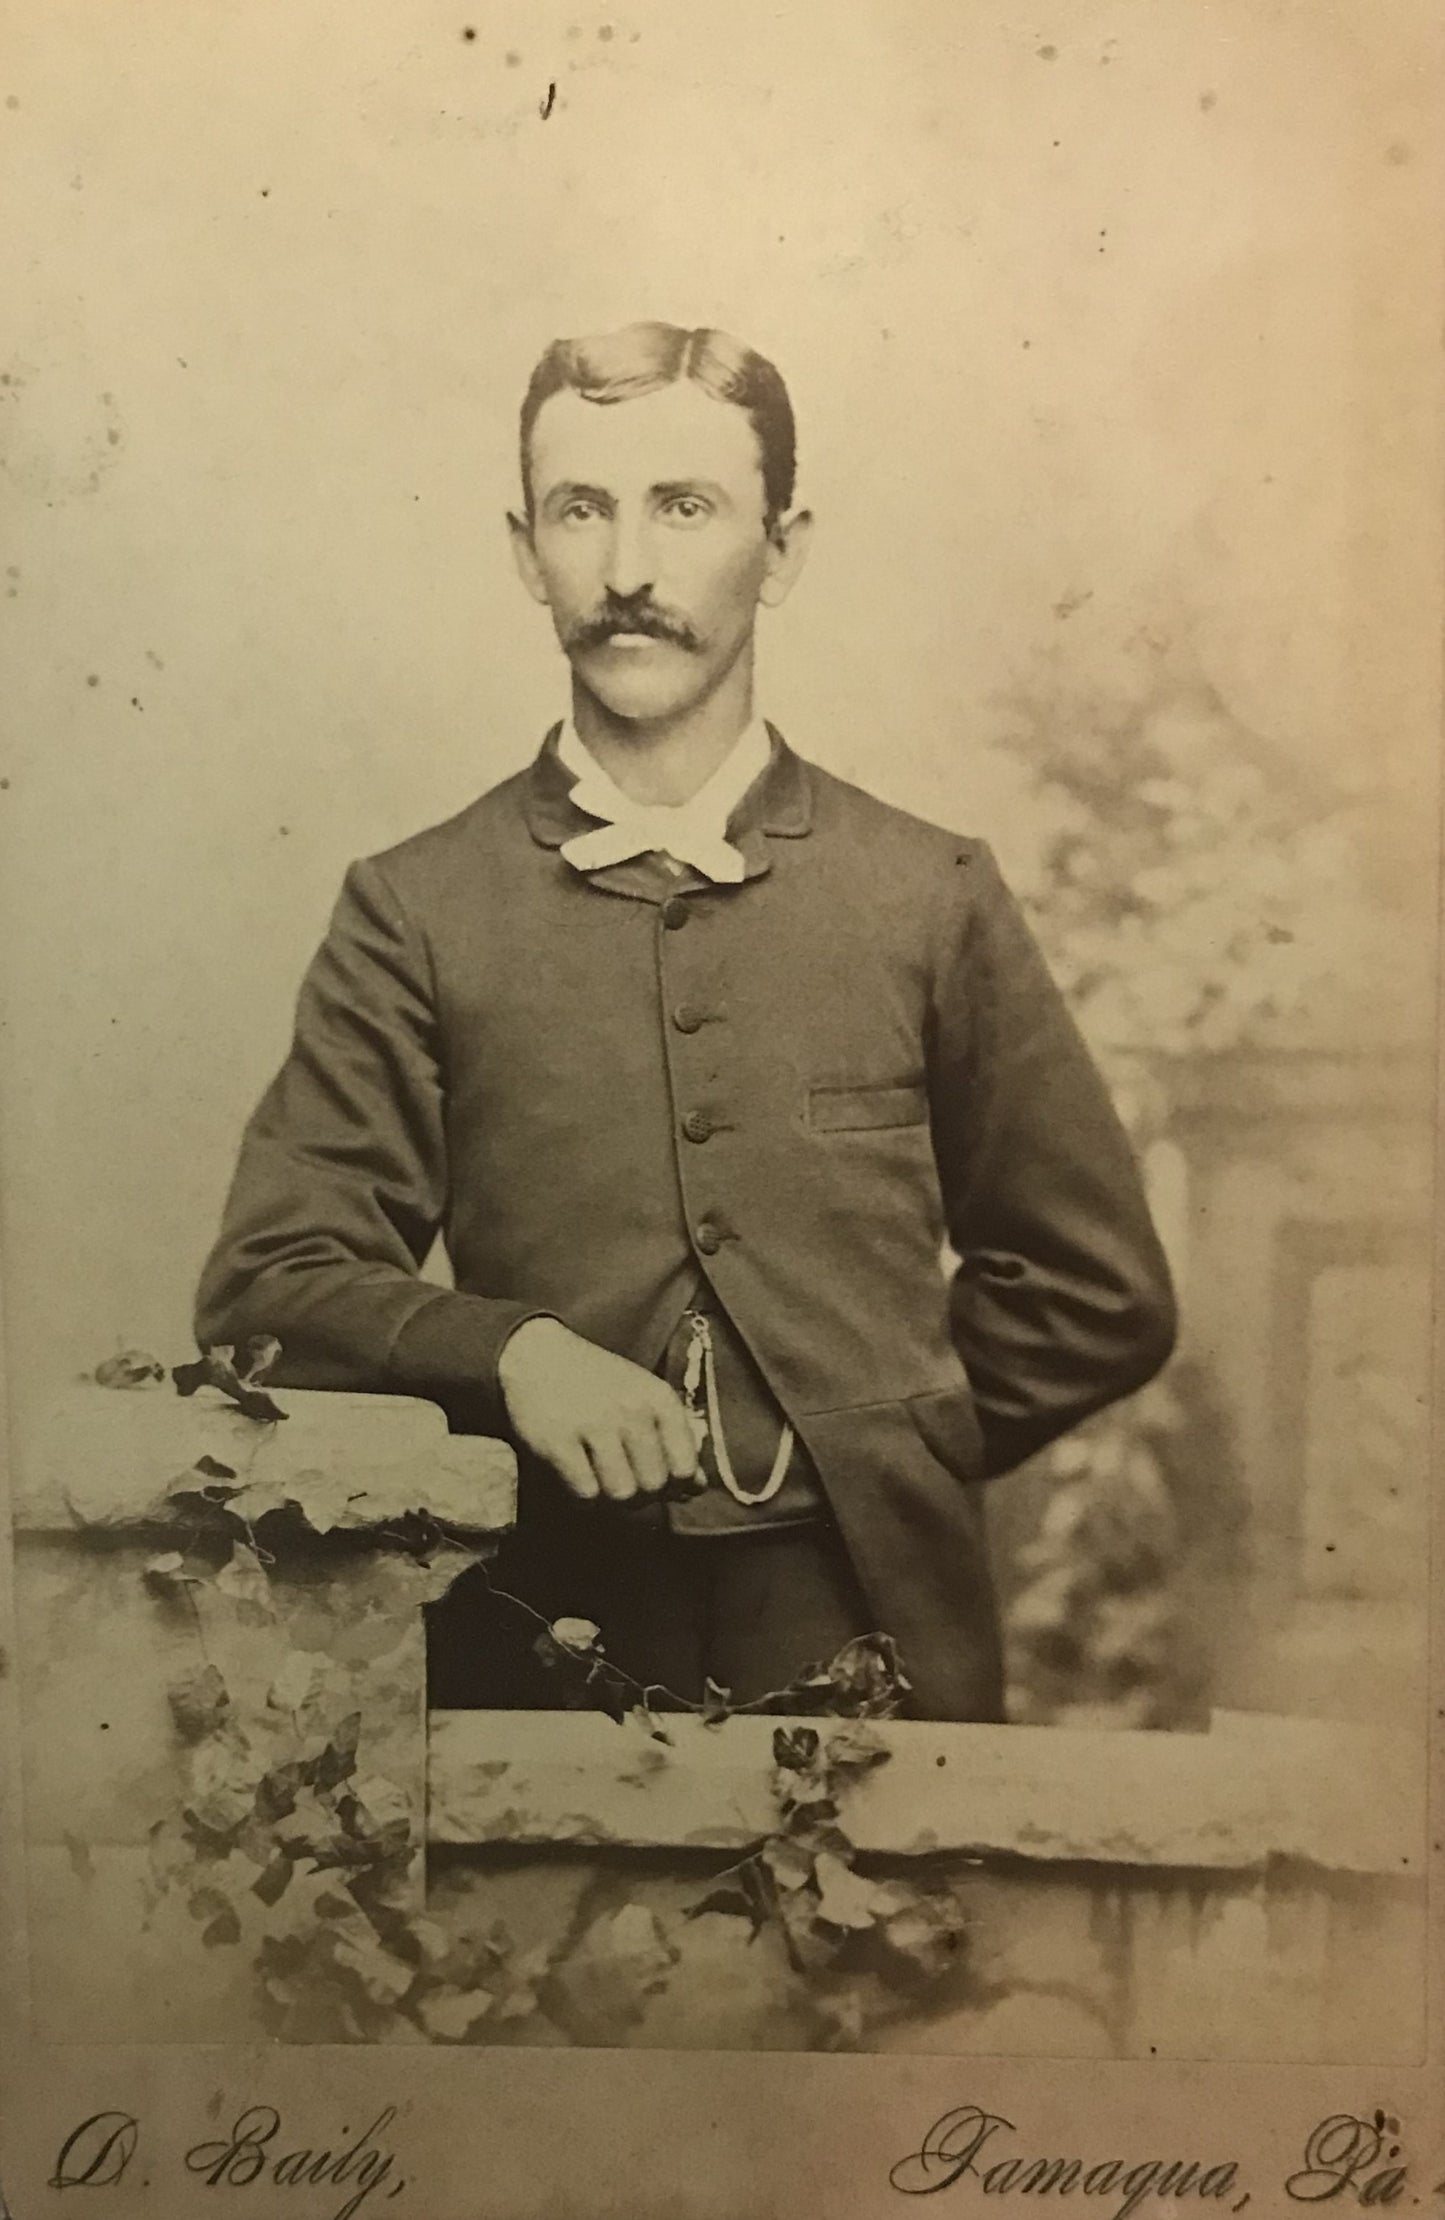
[286,1848]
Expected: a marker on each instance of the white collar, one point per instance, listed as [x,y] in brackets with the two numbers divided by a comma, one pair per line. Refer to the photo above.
[691,832]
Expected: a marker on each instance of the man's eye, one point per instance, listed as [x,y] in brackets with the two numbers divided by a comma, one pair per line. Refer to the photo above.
[687,508]
[579,512]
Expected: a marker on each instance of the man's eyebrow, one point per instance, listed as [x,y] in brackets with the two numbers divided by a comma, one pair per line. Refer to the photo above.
[670,489]
[570,489]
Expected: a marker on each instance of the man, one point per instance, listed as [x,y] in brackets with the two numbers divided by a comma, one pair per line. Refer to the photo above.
[697,1056]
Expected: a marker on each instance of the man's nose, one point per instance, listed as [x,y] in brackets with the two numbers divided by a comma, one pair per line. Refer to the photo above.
[629,559]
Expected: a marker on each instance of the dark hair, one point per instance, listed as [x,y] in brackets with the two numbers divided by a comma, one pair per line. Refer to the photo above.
[620,365]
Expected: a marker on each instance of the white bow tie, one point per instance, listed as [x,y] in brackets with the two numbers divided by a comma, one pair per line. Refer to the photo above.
[633,829]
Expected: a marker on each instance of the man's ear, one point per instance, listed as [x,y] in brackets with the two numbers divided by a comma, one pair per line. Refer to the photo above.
[524,555]
[787,552]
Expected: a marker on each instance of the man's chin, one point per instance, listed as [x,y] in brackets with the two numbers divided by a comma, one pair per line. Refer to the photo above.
[643,685]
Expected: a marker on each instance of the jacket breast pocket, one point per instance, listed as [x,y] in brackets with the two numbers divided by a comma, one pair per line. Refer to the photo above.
[949,1427]
[866,1109]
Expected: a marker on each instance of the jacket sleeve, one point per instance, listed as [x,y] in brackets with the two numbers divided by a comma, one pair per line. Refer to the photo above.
[341,1185]
[1061,1301]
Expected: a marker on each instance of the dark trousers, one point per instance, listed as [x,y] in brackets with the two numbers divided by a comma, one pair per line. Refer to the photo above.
[748,1611]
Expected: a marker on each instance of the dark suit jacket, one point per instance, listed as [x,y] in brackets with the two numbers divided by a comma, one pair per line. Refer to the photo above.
[802,1084]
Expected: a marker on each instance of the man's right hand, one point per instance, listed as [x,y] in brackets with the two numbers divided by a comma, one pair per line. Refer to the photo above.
[605,1426]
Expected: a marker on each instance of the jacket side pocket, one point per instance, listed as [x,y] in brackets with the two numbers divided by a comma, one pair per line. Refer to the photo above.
[866,1109]
[948,1425]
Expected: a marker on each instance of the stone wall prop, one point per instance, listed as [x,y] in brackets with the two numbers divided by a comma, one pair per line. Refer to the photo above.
[1254,1891]
[1251,1790]
[317,1617]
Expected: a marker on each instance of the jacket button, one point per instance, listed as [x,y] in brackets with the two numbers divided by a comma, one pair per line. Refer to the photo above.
[708,1238]
[674,912]
[697,1125]
[687,1017]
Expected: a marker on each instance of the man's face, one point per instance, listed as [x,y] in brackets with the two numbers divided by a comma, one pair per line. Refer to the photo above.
[648,541]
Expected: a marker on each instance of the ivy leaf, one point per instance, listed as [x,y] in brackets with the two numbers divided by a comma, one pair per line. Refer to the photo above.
[750,1898]
[761,1895]
[802,1780]
[795,1749]
[811,1945]
[466,1960]
[579,1637]
[845,1899]
[132,1368]
[431,1939]
[296,1681]
[380,1807]
[226,1772]
[921,1936]
[790,1865]
[256,1500]
[274,1880]
[244,1581]
[841,2011]
[278,1788]
[169,1853]
[206,1485]
[856,1748]
[377,1849]
[809,1814]
[211,1468]
[385,1977]
[606,1690]
[199,1703]
[331,1904]
[811,1690]
[217,1368]
[215,1820]
[254,1842]
[649,1719]
[868,1676]
[213,1369]
[621,1959]
[297,1926]
[449,2015]
[166,1574]
[219,1914]
[525,1974]
[309,1830]
[377,1832]
[734,1902]
[426,1576]
[864,1680]
[258,1355]
[821,1835]
[717,1703]
[337,1761]
[572,1649]
[325,1500]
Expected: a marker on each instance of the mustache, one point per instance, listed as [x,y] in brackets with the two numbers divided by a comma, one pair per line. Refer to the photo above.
[642,616]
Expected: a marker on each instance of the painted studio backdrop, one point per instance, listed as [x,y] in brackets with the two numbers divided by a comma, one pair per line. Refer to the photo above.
[1104,336]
